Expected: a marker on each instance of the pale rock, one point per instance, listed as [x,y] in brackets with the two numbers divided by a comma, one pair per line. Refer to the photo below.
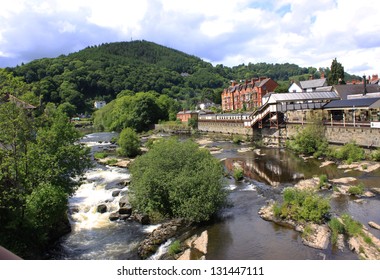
[374,225]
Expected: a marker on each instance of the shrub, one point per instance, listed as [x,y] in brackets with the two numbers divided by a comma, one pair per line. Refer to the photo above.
[303,205]
[352,227]
[350,152]
[310,140]
[237,139]
[238,174]
[178,180]
[100,155]
[322,180]
[111,161]
[375,155]
[356,190]
[129,143]
[174,248]
[336,228]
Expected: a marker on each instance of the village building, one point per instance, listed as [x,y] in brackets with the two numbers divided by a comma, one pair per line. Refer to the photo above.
[185,116]
[247,95]
[19,103]
[310,85]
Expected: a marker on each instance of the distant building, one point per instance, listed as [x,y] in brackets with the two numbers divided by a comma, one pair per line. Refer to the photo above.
[184,116]
[310,85]
[99,104]
[205,105]
[247,95]
[19,103]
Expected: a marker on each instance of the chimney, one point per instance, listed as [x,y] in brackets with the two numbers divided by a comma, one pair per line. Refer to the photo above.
[322,75]
[310,77]
[365,85]
[233,83]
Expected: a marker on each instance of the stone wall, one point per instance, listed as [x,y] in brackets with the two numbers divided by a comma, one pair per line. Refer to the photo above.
[224,127]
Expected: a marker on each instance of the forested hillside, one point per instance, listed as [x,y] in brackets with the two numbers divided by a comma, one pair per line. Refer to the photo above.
[102,72]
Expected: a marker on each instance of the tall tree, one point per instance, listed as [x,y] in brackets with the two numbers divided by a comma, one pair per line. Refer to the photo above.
[336,74]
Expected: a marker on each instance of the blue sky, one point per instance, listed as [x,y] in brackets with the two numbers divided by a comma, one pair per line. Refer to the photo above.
[304,32]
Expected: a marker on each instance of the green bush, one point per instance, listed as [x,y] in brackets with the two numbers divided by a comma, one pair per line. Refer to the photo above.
[323,180]
[336,228]
[356,190]
[100,155]
[350,152]
[177,179]
[129,143]
[174,248]
[352,227]
[238,174]
[302,205]
[237,139]
[375,155]
[310,140]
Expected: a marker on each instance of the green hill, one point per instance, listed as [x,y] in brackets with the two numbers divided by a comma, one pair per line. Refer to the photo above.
[102,72]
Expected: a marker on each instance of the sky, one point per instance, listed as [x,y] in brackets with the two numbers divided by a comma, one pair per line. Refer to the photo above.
[229,32]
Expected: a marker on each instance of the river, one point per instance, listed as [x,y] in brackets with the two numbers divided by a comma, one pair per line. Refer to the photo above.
[238,233]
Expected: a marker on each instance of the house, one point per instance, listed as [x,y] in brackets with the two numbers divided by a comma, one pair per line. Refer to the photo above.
[310,85]
[99,104]
[344,91]
[184,116]
[247,95]
[205,105]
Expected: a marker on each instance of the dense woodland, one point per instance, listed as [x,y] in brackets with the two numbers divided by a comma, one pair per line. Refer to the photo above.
[102,72]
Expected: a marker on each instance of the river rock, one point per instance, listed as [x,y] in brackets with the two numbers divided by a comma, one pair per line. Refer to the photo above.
[374,225]
[116,193]
[340,242]
[319,238]
[102,208]
[326,163]
[344,180]
[125,210]
[123,201]
[158,236]
[185,255]
[201,243]
[142,218]
[114,216]
[308,184]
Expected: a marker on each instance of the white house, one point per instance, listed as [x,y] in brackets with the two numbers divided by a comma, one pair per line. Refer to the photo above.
[99,104]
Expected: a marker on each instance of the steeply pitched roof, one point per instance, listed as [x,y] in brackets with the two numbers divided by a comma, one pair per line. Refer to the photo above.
[315,83]
[351,103]
[20,103]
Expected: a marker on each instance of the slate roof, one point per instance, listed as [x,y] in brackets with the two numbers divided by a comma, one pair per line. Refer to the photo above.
[315,83]
[350,103]
[345,90]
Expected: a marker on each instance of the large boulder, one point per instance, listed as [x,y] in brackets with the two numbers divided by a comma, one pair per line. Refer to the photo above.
[125,210]
[102,208]
[124,201]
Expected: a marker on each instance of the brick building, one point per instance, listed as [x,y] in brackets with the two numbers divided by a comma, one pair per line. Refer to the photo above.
[246,95]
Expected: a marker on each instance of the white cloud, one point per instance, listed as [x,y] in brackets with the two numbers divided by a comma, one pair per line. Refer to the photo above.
[308,33]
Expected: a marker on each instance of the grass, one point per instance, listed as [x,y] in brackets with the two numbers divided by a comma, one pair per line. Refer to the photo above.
[323,180]
[238,174]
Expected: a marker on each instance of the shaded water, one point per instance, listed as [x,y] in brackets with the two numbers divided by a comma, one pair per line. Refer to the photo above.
[239,233]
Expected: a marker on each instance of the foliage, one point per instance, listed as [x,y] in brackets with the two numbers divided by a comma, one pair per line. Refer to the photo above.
[302,205]
[352,227]
[100,155]
[336,74]
[350,152]
[129,143]
[175,248]
[336,228]
[237,139]
[238,174]
[356,190]
[323,180]
[177,179]
[138,112]
[375,155]
[38,159]
[310,140]
[193,123]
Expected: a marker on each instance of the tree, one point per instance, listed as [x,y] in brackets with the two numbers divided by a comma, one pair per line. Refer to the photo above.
[336,74]
[129,143]
[177,179]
